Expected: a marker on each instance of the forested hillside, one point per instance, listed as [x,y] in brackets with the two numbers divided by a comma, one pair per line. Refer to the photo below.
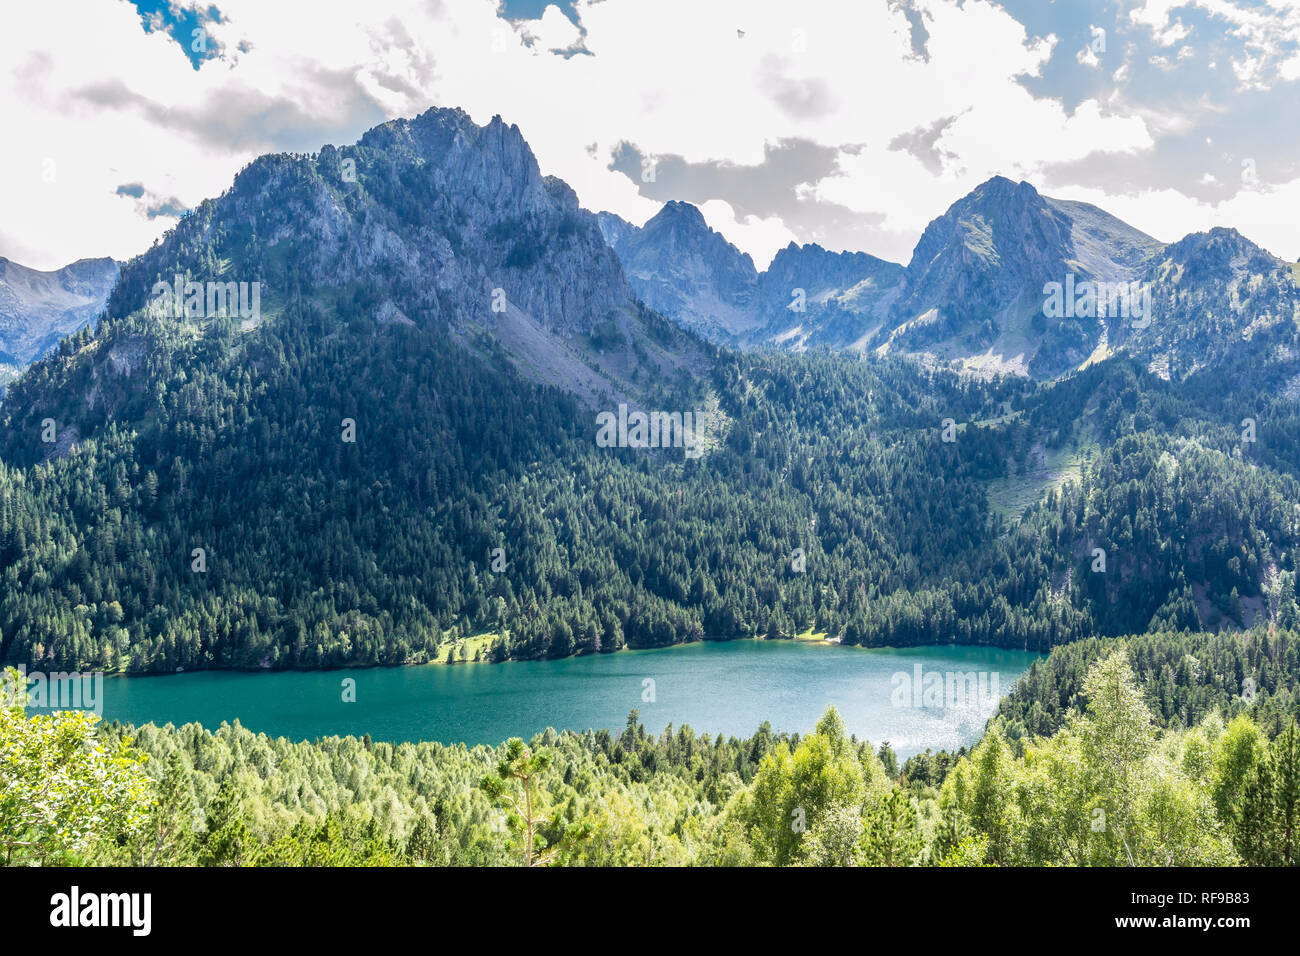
[374,551]
[377,461]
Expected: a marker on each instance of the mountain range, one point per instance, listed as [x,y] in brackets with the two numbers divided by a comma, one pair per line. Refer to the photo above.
[973,291]
[346,412]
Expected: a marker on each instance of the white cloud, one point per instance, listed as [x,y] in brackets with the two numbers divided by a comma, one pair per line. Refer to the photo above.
[1169,215]
[761,238]
[110,104]
[552,31]
[1264,32]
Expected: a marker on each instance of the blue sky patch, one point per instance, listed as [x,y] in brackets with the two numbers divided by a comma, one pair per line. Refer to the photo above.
[184,25]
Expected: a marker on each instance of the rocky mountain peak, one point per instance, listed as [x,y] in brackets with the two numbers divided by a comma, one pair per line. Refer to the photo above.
[447,224]
[1220,253]
[681,267]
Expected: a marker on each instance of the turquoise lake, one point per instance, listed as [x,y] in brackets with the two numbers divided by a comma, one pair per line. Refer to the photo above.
[715,687]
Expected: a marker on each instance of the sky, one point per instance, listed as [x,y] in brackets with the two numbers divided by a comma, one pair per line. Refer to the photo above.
[851,123]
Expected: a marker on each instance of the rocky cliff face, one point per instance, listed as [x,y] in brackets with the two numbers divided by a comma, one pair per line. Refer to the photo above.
[810,296]
[681,268]
[437,222]
[1217,299]
[39,308]
[974,289]
[447,210]
[982,253]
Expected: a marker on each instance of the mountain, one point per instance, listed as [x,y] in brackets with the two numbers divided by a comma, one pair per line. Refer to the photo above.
[974,288]
[39,308]
[350,411]
[420,324]
[465,230]
[1217,301]
[680,267]
[809,296]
